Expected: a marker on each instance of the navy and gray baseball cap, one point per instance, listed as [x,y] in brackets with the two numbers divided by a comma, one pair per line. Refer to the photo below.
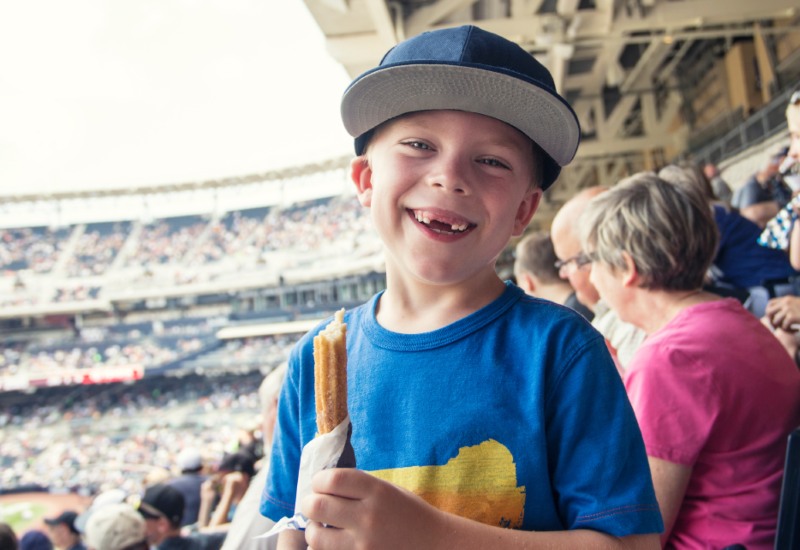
[465,69]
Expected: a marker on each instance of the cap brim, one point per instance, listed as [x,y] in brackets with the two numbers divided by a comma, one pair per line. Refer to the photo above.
[388,92]
[149,511]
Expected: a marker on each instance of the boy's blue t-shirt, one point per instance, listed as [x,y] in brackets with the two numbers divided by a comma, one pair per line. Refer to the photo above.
[514,416]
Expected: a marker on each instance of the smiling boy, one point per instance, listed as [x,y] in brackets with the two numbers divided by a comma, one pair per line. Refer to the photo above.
[482,418]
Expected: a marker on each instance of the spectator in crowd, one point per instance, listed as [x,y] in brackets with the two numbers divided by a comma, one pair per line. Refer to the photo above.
[189,482]
[793,154]
[782,313]
[247,440]
[713,391]
[99,502]
[8,538]
[35,540]
[765,193]
[222,491]
[155,475]
[247,521]
[739,262]
[536,273]
[59,464]
[162,508]
[63,532]
[573,265]
[720,188]
[433,355]
[116,527]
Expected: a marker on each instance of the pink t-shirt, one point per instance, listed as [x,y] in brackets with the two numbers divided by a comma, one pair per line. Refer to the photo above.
[714,390]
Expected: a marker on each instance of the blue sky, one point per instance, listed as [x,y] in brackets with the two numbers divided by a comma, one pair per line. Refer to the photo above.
[97,93]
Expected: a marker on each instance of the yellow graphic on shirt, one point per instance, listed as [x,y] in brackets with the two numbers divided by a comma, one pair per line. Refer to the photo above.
[480,483]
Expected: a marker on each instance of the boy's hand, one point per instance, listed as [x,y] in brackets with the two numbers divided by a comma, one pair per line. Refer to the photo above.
[367,513]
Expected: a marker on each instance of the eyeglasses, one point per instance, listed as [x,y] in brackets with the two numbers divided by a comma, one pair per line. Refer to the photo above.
[579,260]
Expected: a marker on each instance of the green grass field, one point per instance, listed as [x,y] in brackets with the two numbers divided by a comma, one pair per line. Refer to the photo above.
[19,515]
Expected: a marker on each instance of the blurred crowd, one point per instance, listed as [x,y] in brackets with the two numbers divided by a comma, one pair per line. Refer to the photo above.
[93,438]
[79,262]
[188,345]
[165,462]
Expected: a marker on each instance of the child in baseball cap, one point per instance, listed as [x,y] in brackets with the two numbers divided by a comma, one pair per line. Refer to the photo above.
[484,418]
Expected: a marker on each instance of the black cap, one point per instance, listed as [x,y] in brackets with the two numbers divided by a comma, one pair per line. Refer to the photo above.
[162,501]
[67,517]
[238,462]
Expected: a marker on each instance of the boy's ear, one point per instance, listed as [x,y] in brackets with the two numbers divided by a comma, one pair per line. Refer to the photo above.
[361,174]
[526,210]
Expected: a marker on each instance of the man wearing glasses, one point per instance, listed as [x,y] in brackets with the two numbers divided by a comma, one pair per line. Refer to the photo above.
[622,338]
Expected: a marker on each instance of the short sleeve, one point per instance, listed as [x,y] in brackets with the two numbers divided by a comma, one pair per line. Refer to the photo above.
[600,469]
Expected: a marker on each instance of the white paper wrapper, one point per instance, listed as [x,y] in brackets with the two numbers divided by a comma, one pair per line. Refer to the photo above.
[331,450]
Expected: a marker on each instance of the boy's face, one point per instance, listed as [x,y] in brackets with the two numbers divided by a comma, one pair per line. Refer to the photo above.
[447,190]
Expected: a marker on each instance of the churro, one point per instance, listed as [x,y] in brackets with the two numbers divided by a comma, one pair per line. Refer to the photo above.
[330,374]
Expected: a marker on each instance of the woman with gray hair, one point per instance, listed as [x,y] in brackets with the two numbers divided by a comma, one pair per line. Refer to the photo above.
[713,390]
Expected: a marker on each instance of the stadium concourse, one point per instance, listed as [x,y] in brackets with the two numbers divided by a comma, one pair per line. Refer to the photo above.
[135,325]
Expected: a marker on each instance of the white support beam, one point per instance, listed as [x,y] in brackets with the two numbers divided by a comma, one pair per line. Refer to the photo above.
[616,118]
[573,179]
[339,5]
[583,110]
[666,16]
[670,110]
[560,55]
[669,68]
[603,132]
[649,116]
[384,24]
[609,172]
[521,8]
[567,8]
[424,18]
[605,10]
[593,82]
[609,148]
[648,63]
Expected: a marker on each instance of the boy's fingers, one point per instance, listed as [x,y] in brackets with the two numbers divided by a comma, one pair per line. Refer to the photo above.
[322,537]
[343,482]
[330,510]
